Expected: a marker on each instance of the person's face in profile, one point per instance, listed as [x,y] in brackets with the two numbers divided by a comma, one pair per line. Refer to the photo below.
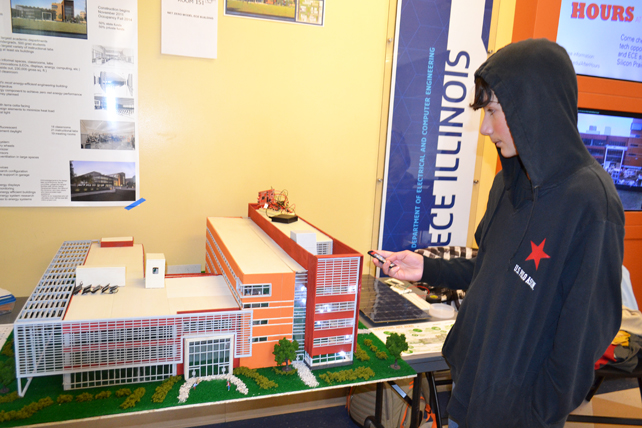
[495,127]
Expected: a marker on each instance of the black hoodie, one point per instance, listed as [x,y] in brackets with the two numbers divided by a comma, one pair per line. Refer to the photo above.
[543,295]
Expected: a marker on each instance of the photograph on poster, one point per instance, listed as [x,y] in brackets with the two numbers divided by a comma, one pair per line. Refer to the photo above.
[114,83]
[102,181]
[301,11]
[120,106]
[107,135]
[111,56]
[67,18]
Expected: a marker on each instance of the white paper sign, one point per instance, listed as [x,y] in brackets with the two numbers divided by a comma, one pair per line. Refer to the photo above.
[422,338]
[68,103]
[189,28]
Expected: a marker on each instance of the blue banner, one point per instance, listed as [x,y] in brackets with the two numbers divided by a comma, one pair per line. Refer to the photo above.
[429,174]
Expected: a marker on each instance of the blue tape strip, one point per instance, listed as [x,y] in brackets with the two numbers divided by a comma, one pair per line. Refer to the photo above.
[135,204]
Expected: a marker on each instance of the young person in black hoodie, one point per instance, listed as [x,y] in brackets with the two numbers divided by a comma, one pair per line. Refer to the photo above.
[543,295]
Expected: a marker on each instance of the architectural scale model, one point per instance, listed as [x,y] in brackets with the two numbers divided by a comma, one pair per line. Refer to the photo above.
[264,281]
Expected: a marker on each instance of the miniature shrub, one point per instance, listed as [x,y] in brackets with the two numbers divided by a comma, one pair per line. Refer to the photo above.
[7,372]
[123,392]
[364,372]
[265,383]
[103,395]
[7,349]
[382,355]
[161,391]
[280,371]
[261,381]
[373,348]
[13,396]
[241,370]
[133,398]
[27,411]
[345,375]
[85,396]
[64,398]
[7,416]
[361,355]
[367,342]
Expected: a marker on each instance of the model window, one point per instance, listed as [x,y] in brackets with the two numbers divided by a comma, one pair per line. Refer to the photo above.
[328,358]
[334,307]
[259,339]
[255,305]
[259,322]
[331,341]
[336,289]
[329,324]
[257,290]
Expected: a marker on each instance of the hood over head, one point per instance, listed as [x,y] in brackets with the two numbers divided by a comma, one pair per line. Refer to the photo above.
[536,85]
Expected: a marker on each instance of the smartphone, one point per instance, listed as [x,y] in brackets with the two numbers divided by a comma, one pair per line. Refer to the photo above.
[380,258]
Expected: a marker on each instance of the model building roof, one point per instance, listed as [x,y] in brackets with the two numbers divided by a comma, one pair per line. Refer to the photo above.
[180,295]
[253,250]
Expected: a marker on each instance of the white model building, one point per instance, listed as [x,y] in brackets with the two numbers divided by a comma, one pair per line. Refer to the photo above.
[259,286]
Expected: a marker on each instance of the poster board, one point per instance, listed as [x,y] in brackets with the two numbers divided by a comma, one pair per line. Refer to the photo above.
[68,103]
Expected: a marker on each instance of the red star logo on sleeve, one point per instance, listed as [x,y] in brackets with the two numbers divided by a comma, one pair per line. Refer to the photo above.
[537,253]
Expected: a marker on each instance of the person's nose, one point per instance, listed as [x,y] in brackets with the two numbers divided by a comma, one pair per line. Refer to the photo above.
[486,127]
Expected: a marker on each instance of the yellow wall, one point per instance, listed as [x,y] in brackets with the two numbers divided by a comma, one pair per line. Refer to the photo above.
[286,106]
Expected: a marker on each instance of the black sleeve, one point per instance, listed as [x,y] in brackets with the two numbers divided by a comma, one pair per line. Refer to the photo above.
[455,273]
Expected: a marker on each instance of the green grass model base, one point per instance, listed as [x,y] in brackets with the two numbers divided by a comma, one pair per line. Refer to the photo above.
[53,404]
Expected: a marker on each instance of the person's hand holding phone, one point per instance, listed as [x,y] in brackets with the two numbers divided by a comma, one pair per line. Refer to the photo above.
[404,265]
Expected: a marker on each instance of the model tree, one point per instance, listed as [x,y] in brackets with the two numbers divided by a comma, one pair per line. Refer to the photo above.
[396,344]
[284,352]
